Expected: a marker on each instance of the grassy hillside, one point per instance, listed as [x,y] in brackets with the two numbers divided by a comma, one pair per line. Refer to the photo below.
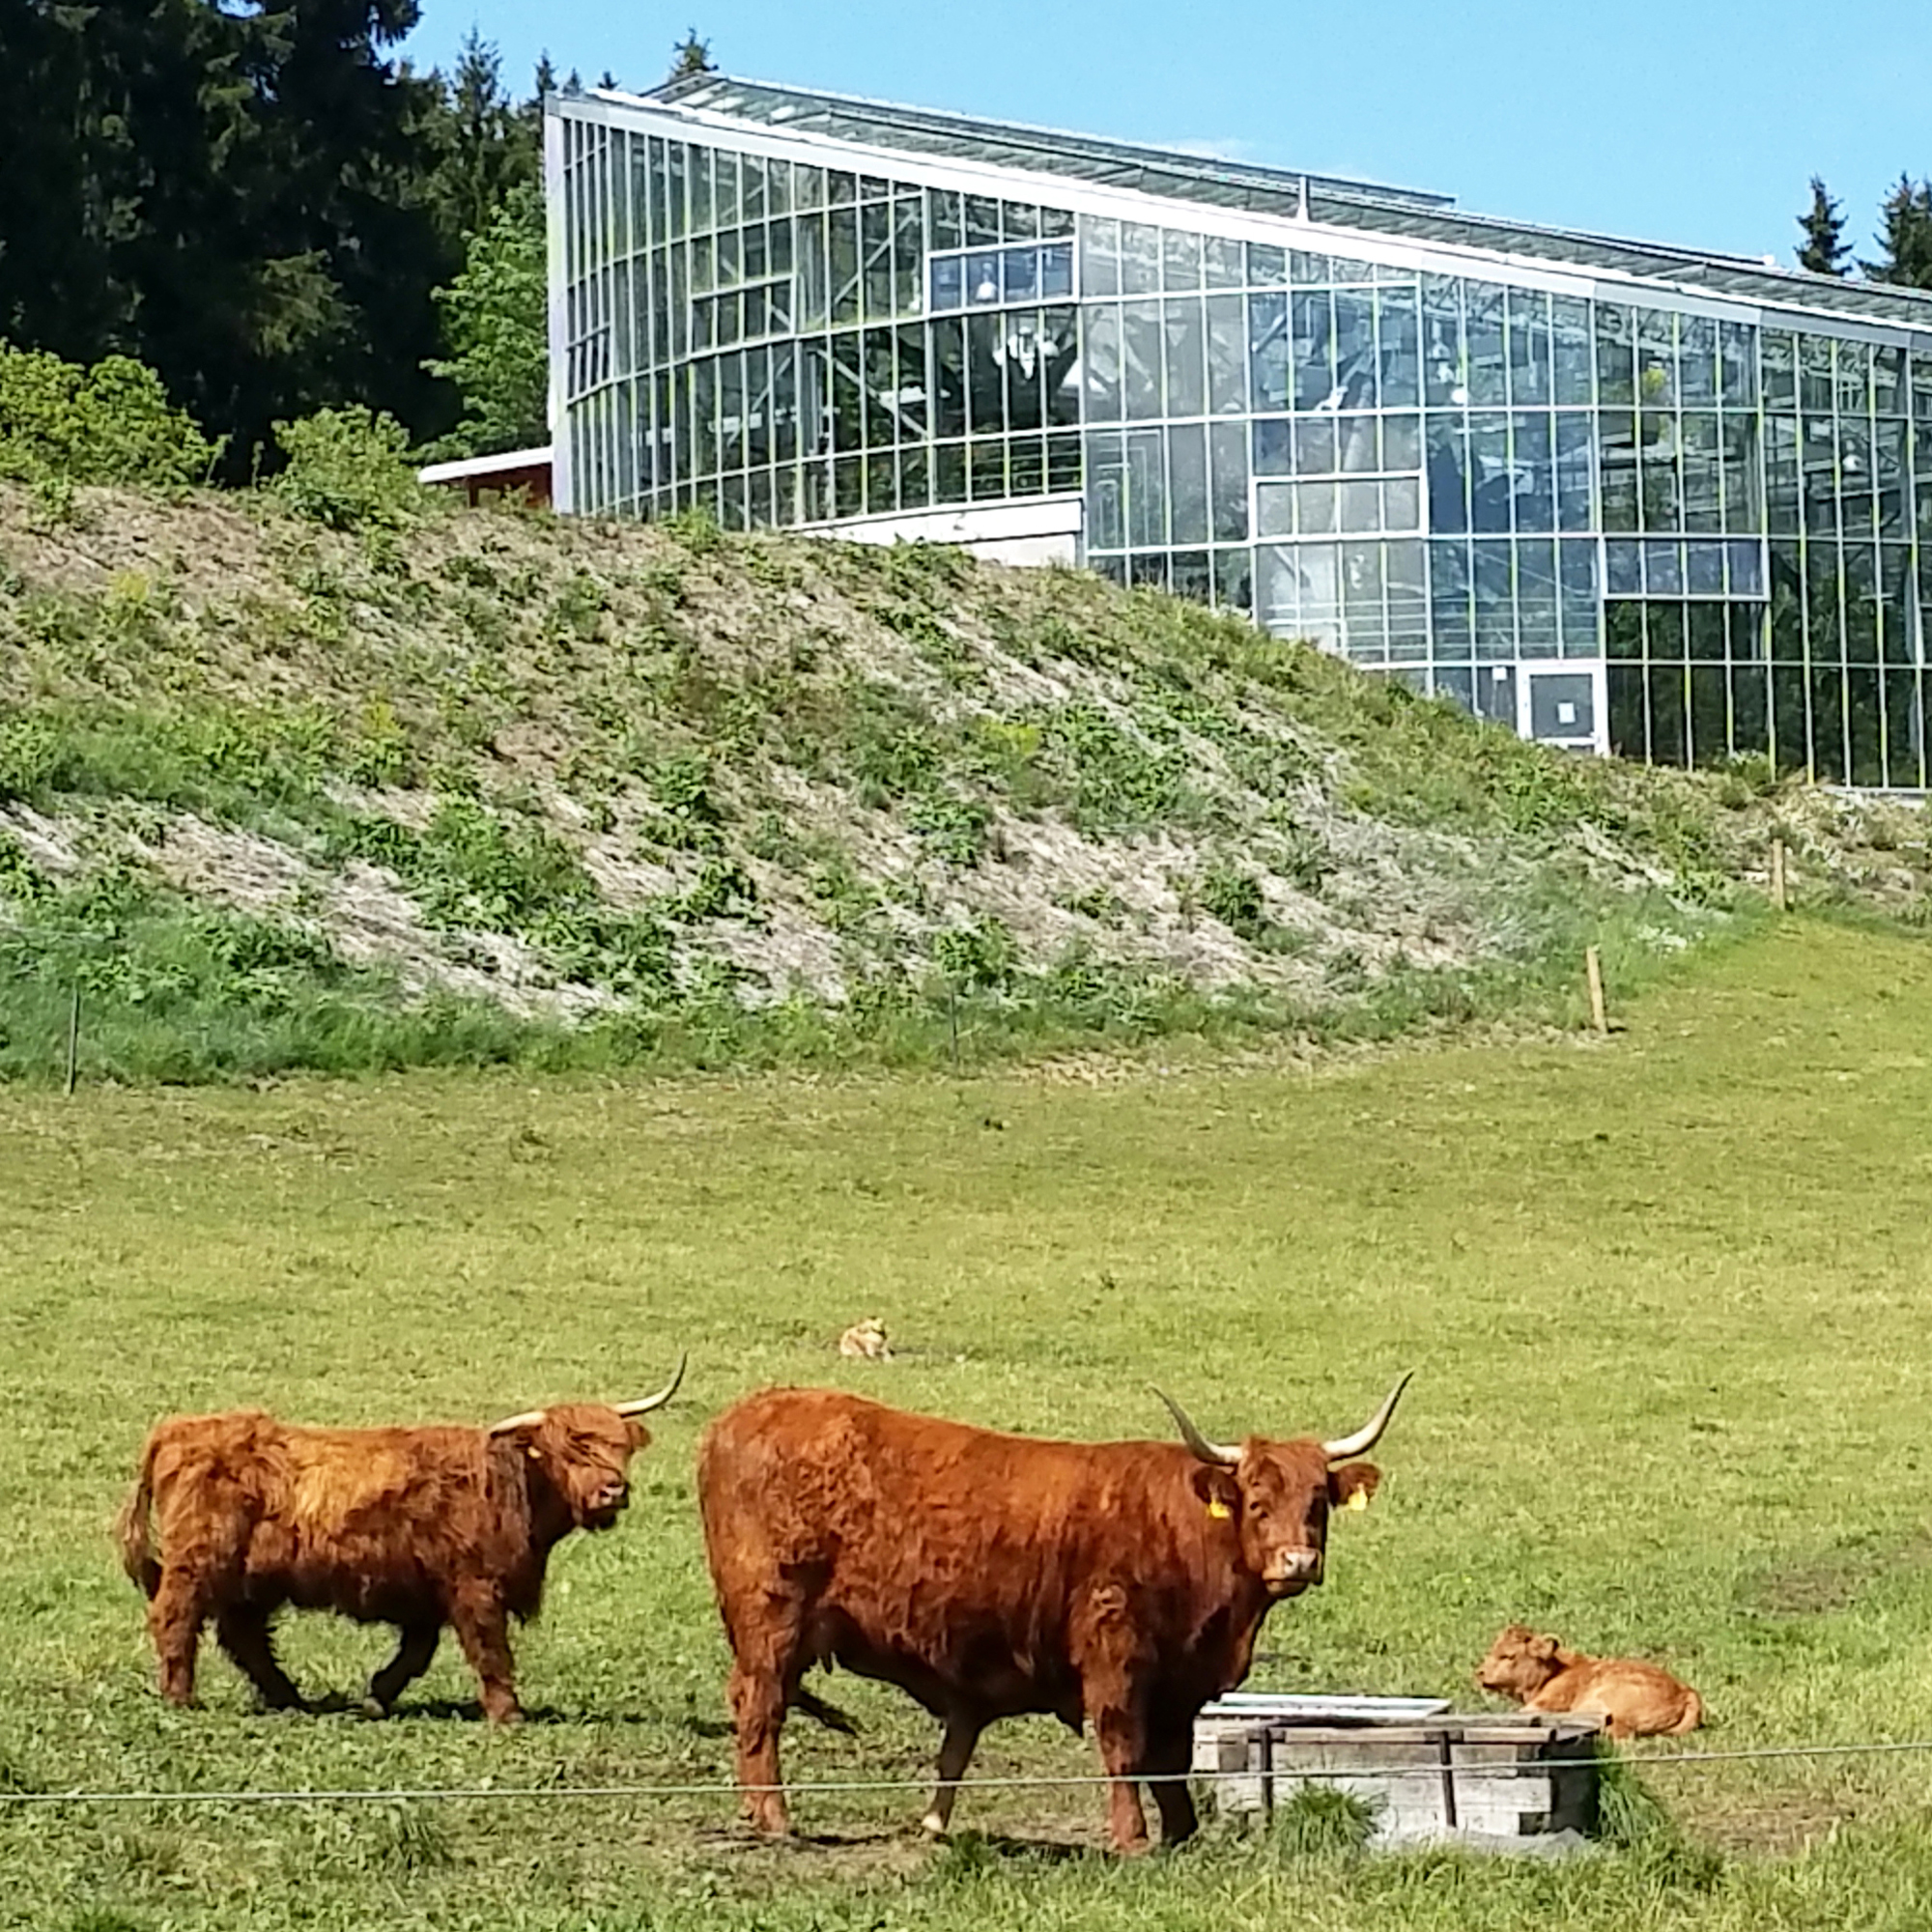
[492,786]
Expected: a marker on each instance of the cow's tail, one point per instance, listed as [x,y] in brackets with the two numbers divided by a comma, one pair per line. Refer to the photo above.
[130,1527]
[820,1712]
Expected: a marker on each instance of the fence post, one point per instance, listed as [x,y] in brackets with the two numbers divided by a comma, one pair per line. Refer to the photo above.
[73,1041]
[1778,892]
[1593,968]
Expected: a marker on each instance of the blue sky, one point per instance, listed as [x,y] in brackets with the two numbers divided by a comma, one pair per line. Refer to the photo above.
[1697,123]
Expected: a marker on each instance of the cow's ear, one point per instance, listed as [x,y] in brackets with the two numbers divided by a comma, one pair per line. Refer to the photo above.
[1543,1649]
[1220,1494]
[641,1437]
[1352,1485]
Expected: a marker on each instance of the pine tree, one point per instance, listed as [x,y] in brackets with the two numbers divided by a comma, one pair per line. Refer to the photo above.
[1905,234]
[489,144]
[1823,251]
[690,56]
[239,197]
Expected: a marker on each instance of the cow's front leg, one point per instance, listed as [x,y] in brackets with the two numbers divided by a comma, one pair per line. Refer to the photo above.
[242,1631]
[483,1630]
[1112,1668]
[413,1650]
[1121,1736]
[956,1753]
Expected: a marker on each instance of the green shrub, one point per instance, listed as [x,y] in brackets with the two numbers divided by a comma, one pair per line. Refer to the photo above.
[983,956]
[62,424]
[349,468]
[1234,897]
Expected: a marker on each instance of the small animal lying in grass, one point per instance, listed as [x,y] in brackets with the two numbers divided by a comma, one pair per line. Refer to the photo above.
[1639,1699]
[866,1341]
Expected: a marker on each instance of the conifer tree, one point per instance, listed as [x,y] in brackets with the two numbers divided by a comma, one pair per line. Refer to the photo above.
[1823,251]
[1905,235]
[690,56]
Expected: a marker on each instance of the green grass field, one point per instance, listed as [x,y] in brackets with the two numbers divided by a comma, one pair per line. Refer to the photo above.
[1666,1298]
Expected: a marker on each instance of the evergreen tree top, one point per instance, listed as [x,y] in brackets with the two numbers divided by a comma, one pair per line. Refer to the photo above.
[690,56]
[1824,250]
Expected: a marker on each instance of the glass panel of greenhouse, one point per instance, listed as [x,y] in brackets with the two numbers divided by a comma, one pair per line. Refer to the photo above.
[1619,498]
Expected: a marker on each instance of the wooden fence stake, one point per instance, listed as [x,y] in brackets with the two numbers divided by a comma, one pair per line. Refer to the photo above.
[73,1041]
[1778,894]
[1593,966]
[953,1023]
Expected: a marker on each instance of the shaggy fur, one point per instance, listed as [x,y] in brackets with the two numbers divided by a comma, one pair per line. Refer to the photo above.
[1119,1584]
[415,1527]
[1639,1699]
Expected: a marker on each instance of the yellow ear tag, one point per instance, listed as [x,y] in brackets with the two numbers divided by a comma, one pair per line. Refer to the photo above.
[1218,1510]
[531,1450]
[1359,1499]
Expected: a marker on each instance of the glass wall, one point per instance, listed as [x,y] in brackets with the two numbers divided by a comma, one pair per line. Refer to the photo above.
[1531,500]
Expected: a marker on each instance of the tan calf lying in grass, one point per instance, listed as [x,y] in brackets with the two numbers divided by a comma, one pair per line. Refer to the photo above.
[1639,1699]
[866,1341]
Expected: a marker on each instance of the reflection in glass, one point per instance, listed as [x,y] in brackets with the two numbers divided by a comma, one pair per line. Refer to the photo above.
[1140,258]
[1186,380]
[1099,256]
[1141,356]
[1268,350]
[1227,355]
[1228,450]
[1187,483]
[1101,361]
[1273,447]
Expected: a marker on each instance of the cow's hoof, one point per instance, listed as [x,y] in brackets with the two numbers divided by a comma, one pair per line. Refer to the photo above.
[373,1707]
[933,1825]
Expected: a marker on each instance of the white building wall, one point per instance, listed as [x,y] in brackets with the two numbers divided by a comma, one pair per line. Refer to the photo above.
[1037,531]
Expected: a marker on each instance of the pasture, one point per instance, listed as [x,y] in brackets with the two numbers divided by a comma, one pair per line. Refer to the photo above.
[1667,1299]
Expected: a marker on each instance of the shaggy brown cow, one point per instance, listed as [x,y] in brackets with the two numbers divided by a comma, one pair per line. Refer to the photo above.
[1639,1699]
[1119,1584]
[415,1527]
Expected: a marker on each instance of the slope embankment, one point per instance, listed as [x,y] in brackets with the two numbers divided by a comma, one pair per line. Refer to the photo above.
[487,787]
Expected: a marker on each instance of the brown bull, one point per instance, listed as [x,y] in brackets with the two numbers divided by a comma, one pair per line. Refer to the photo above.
[415,1527]
[1119,1584]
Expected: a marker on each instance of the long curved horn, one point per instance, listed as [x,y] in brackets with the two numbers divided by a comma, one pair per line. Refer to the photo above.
[1225,1454]
[1370,1434]
[529,1419]
[648,1402]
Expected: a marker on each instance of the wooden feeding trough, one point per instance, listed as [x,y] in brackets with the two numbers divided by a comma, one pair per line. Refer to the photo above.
[1506,1780]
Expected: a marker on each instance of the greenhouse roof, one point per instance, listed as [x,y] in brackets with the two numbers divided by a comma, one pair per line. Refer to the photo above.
[1242,186]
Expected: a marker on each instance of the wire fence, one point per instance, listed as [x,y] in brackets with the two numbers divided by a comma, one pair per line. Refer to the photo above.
[875,1786]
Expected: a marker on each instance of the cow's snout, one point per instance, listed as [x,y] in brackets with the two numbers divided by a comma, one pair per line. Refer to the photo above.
[1296,1570]
[613,1495]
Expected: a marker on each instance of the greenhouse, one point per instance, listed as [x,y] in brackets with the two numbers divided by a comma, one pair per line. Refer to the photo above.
[1620,497]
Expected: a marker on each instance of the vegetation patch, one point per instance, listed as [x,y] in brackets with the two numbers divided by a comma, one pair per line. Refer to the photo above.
[666,794]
